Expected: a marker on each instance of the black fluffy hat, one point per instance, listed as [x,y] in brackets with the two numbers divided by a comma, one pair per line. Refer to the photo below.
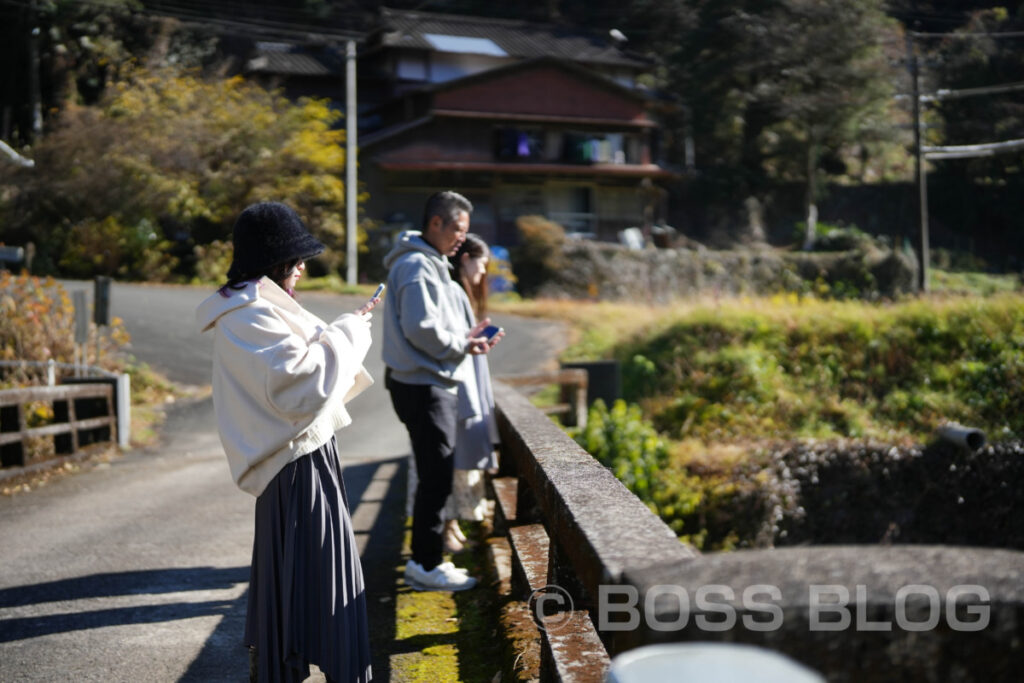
[268,234]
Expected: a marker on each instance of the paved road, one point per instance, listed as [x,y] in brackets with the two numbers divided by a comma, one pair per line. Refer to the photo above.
[160,321]
[137,570]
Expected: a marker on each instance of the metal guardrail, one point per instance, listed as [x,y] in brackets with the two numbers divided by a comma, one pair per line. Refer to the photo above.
[68,430]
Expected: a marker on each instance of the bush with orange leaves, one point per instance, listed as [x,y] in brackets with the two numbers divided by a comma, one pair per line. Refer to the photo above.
[37,320]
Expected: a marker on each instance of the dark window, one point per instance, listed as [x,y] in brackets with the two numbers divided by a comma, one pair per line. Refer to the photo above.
[519,144]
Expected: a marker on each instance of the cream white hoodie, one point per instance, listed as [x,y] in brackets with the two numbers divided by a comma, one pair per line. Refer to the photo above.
[281,377]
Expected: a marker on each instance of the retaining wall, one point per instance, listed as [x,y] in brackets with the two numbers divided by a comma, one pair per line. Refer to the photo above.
[613,272]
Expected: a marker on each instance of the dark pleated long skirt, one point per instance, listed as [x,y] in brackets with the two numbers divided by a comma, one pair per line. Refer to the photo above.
[307,603]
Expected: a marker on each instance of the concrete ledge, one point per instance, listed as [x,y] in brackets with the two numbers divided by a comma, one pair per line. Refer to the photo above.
[598,524]
[529,544]
[853,613]
[571,649]
[505,499]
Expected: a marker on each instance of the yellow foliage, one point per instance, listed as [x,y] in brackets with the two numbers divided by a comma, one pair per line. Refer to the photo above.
[169,148]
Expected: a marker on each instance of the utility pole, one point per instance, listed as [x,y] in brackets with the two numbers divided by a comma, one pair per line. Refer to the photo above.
[351,193]
[35,93]
[920,170]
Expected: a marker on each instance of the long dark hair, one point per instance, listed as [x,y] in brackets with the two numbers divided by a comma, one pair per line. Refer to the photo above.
[476,248]
[277,273]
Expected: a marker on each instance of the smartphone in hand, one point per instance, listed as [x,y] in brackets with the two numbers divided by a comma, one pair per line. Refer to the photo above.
[374,300]
[490,332]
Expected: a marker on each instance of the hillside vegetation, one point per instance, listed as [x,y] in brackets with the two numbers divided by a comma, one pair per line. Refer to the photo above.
[733,408]
[789,367]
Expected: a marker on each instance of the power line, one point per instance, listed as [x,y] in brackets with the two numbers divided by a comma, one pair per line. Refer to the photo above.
[261,30]
[987,149]
[284,30]
[238,12]
[944,93]
[957,34]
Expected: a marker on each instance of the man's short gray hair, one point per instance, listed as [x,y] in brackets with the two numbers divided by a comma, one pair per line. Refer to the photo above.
[446,205]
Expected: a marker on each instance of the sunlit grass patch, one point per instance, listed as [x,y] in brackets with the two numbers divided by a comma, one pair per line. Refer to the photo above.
[978,284]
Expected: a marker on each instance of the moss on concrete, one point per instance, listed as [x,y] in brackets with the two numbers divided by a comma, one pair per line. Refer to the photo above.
[443,637]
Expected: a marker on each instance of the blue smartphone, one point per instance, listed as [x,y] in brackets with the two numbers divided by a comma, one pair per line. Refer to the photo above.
[490,332]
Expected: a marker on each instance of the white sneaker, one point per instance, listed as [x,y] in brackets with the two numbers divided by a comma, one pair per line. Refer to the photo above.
[443,577]
[415,570]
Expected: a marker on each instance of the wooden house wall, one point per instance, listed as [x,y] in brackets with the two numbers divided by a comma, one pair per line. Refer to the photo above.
[545,91]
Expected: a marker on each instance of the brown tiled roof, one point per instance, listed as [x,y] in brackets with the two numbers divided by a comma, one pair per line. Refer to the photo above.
[520,39]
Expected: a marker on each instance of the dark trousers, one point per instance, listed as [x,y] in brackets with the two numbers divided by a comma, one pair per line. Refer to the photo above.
[429,413]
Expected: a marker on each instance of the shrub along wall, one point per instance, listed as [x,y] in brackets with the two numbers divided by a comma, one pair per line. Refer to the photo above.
[613,272]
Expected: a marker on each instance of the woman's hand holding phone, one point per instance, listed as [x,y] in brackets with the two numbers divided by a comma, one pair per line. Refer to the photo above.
[484,336]
[364,311]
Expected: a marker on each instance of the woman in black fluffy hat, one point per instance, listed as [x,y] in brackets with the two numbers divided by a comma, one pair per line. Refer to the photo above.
[281,379]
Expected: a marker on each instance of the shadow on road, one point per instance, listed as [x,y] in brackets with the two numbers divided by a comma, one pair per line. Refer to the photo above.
[380,487]
[113,585]
[376,491]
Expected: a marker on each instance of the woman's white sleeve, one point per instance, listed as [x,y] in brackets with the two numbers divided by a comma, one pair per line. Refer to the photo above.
[301,378]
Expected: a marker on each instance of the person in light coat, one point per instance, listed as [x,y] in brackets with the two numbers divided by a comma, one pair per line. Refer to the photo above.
[477,435]
[281,379]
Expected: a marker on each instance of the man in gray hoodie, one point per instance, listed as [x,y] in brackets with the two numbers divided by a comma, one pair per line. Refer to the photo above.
[426,340]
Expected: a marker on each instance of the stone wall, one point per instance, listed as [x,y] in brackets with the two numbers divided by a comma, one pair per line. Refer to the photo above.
[598,270]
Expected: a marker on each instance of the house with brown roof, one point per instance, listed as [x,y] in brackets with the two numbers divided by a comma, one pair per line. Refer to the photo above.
[522,118]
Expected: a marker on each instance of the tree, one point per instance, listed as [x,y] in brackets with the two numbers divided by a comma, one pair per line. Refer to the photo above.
[974,201]
[61,51]
[778,87]
[167,161]
[835,87]
[971,60]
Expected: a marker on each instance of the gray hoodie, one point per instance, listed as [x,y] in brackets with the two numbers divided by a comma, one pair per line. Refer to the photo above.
[425,331]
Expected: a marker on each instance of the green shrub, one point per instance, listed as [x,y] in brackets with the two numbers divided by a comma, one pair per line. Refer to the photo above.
[623,441]
[539,254]
[829,237]
[800,420]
